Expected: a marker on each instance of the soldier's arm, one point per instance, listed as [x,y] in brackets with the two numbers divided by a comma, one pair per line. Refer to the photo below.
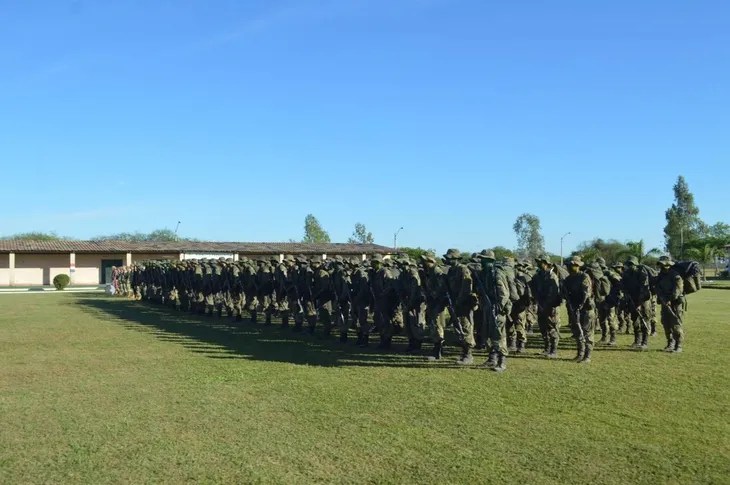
[678,287]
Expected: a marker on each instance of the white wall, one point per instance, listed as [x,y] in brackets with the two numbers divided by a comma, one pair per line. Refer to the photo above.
[4,272]
[39,269]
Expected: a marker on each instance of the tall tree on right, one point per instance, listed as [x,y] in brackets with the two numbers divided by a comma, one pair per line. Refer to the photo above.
[683,220]
[530,242]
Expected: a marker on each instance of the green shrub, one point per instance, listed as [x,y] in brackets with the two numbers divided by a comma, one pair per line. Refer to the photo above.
[724,274]
[61,281]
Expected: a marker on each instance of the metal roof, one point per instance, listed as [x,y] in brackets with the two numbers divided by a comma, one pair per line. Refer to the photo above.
[70,246]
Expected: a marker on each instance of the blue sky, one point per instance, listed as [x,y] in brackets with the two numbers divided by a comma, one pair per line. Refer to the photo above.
[449,118]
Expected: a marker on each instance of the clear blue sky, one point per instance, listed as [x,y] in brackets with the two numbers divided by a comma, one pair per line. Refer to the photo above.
[450,118]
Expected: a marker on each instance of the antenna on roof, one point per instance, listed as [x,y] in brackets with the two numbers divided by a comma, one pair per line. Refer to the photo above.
[176,228]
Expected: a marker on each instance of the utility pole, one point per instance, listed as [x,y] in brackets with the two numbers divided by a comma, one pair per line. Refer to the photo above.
[395,238]
[176,228]
[561,247]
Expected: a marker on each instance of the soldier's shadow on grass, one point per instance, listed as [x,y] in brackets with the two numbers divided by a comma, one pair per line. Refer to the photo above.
[222,338]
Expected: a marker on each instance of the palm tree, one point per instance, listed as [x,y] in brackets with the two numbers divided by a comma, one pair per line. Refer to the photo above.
[704,254]
[636,248]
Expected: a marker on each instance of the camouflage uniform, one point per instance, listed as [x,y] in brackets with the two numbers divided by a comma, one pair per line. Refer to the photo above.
[578,293]
[546,288]
[414,304]
[361,302]
[670,294]
[433,279]
[636,282]
[496,297]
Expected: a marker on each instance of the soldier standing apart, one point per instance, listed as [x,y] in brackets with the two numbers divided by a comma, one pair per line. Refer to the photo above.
[581,308]
[495,297]
[670,295]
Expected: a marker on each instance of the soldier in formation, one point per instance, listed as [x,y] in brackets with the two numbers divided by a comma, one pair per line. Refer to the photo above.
[488,303]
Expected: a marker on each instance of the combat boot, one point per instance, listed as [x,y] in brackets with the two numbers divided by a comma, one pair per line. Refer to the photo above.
[653,329]
[437,352]
[670,345]
[587,356]
[466,357]
[284,322]
[637,340]
[254,316]
[511,344]
[491,361]
[644,340]
[268,320]
[678,346]
[343,337]
[520,346]
[481,344]
[501,365]
[603,336]
[581,351]
[553,352]
[612,340]
[239,318]
[385,343]
[546,348]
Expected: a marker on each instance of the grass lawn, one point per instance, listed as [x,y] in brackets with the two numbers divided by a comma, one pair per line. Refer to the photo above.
[97,390]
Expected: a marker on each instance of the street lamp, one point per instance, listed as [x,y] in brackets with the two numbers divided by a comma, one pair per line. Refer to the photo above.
[395,238]
[561,247]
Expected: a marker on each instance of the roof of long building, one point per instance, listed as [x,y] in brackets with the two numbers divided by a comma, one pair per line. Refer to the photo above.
[70,246]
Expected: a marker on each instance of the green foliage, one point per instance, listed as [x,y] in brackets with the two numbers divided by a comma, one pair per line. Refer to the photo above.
[683,220]
[609,249]
[35,236]
[502,252]
[361,235]
[416,253]
[313,231]
[61,281]
[636,248]
[158,235]
[530,242]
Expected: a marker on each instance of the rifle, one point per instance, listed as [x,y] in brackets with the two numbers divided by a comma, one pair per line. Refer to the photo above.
[452,310]
[641,317]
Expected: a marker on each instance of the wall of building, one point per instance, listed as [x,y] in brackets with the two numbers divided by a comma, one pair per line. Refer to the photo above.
[39,269]
[88,267]
[4,272]
[139,257]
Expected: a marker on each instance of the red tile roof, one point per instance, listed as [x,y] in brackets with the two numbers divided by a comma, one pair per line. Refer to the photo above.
[69,246]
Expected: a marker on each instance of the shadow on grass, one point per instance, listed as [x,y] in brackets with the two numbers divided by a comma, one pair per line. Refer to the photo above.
[223,338]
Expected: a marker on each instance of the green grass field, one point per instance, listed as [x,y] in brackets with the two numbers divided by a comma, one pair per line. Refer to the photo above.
[100,390]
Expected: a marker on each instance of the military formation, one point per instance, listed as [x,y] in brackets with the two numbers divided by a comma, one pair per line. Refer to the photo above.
[489,304]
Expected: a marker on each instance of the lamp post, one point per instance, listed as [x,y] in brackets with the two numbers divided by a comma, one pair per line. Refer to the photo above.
[395,238]
[176,228]
[561,247]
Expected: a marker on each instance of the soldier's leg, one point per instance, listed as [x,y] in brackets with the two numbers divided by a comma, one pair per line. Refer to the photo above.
[511,332]
[310,311]
[588,319]
[553,324]
[520,332]
[297,309]
[480,338]
[364,325]
[576,329]
[645,310]
[253,307]
[436,321]
[542,323]
[498,338]
[677,327]
[325,316]
[653,315]
[341,311]
[612,325]
[467,338]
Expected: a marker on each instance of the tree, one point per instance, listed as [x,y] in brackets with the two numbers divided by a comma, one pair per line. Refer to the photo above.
[683,220]
[530,242]
[501,252]
[313,232]
[704,254]
[416,253]
[361,235]
[35,236]
[158,235]
[719,230]
[609,249]
[636,248]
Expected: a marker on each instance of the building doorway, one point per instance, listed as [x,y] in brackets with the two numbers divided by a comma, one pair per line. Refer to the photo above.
[106,269]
